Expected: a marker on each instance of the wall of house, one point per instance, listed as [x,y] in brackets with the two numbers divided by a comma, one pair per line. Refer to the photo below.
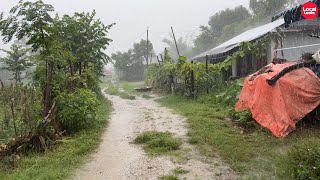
[295,39]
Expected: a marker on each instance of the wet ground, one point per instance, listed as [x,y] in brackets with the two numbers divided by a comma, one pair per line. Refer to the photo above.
[117,158]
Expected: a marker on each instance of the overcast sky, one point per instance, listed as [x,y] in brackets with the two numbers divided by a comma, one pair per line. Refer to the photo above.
[132,17]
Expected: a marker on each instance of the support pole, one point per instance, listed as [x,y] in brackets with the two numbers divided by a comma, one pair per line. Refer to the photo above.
[175,41]
[147,46]
[207,73]
[192,83]
[158,60]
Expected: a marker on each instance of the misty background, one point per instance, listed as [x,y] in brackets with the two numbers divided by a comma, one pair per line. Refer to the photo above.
[198,25]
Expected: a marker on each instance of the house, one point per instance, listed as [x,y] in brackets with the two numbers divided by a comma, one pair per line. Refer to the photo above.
[285,39]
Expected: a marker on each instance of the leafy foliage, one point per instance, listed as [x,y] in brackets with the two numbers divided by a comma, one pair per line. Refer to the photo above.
[130,65]
[158,75]
[77,110]
[17,61]
[69,56]
[184,47]
[228,23]
[211,35]
[303,159]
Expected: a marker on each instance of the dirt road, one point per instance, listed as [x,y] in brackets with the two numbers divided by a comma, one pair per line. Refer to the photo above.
[117,158]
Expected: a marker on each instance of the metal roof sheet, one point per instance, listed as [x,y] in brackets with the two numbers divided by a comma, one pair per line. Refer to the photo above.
[248,35]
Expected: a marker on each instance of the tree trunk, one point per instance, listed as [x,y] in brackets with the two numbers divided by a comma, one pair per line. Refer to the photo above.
[48,91]
[13,109]
[70,84]
[71,68]
[80,68]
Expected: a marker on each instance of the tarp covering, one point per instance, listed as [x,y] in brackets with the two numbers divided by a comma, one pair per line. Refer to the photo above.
[281,106]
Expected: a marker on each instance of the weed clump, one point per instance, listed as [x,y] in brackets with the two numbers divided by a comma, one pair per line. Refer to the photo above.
[303,159]
[169,177]
[127,96]
[157,143]
[146,96]
[180,170]
[244,119]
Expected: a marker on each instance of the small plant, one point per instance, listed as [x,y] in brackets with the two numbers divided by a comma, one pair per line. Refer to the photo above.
[243,119]
[112,89]
[179,170]
[127,96]
[168,177]
[157,143]
[303,159]
[146,96]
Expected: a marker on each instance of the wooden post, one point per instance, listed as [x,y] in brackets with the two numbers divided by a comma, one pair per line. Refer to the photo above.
[192,82]
[147,46]
[161,57]
[207,73]
[175,41]
[158,60]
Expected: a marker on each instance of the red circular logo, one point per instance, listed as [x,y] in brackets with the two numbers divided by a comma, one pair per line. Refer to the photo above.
[309,10]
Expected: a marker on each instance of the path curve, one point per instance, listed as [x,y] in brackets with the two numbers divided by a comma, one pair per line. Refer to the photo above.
[118,159]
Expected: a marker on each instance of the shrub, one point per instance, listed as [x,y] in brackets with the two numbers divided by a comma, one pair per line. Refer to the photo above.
[303,159]
[77,110]
[243,119]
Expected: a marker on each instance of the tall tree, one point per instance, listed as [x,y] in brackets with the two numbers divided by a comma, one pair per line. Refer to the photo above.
[211,34]
[130,65]
[32,20]
[267,8]
[140,51]
[78,40]
[184,48]
[17,61]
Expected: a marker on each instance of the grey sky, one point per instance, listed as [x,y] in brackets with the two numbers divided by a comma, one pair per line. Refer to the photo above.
[134,16]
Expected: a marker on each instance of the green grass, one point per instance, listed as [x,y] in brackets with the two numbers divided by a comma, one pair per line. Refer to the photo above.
[127,96]
[168,177]
[63,160]
[158,143]
[255,155]
[129,86]
[179,170]
[146,96]
[113,89]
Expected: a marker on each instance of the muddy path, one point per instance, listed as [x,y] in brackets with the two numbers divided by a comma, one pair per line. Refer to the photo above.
[117,158]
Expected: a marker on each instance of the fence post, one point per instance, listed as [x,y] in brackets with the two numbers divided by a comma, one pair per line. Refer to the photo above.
[192,82]
[207,73]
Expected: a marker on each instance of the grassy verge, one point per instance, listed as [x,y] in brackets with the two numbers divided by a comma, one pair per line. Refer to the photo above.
[255,155]
[59,163]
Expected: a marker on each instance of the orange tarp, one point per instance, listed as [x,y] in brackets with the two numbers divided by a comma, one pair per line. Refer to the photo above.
[281,106]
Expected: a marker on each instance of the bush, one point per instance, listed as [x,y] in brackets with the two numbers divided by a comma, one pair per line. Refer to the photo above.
[243,119]
[231,93]
[303,159]
[76,111]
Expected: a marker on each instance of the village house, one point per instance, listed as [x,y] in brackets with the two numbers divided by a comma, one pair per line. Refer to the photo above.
[287,37]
